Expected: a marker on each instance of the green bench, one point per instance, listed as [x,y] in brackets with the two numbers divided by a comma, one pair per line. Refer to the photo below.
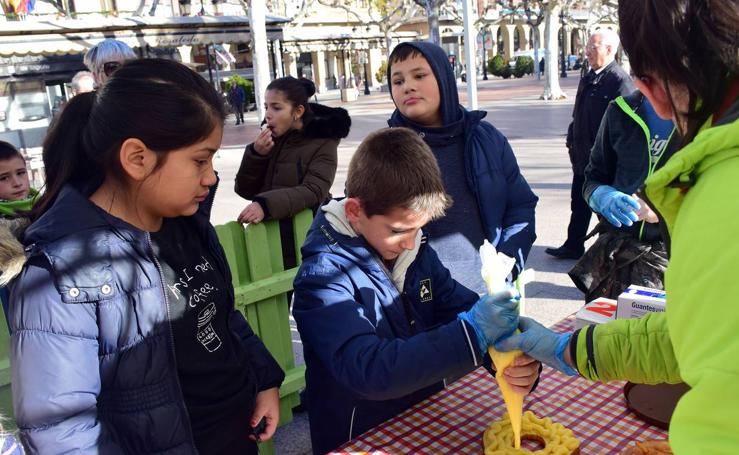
[261,284]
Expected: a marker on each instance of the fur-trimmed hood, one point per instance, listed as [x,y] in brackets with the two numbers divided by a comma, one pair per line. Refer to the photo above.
[12,253]
[327,122]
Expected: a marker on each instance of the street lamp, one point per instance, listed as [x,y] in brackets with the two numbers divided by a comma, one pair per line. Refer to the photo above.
[562,21]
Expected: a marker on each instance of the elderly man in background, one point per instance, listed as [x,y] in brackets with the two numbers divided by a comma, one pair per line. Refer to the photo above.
[82,82]
[605,81]
[104,58]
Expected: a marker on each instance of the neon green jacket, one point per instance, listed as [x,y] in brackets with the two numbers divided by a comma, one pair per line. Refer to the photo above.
[697,195]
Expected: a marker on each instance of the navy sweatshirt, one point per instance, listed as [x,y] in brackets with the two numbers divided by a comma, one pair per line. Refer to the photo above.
[491,198]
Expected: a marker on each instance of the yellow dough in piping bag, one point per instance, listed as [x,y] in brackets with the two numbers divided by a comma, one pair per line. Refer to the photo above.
[495,268]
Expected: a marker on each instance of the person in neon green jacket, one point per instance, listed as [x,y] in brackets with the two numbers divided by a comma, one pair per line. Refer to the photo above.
[690,73]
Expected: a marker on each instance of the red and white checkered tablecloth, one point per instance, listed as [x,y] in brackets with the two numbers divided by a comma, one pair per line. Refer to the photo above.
[453,420]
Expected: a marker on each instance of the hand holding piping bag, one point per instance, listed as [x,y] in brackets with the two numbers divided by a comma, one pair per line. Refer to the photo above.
[495,268]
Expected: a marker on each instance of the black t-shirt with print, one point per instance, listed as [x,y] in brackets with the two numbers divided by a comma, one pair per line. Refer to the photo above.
[211,363]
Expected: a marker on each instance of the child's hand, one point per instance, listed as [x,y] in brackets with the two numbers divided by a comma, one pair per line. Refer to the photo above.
[253,213]
[522,374]
[493,317]
[263,143]
[267,407]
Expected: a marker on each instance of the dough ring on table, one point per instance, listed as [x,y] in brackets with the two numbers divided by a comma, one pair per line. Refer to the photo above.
[557,440]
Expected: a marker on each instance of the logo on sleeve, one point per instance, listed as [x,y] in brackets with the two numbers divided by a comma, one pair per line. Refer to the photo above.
[425,290]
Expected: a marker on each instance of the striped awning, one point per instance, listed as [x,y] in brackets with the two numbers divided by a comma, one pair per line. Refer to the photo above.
[77,36]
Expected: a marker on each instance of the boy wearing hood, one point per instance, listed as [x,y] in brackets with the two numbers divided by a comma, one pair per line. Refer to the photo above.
[492,200]
[381,320]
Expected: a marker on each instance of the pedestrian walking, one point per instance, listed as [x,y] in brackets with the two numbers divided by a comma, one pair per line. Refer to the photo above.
[236,98]
[603,83]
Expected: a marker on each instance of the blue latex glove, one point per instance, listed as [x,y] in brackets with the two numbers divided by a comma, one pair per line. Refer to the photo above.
[540,343]
[617,207]
[493,317]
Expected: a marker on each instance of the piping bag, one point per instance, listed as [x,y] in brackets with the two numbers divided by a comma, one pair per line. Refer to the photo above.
[495,268]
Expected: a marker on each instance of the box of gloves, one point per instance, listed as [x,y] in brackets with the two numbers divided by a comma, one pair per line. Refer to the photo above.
[636,301]
[596,311]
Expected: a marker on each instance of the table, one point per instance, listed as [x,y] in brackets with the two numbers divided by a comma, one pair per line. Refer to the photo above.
[453,420]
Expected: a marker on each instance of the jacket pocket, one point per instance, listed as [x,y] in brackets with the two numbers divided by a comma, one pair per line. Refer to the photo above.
[135,400]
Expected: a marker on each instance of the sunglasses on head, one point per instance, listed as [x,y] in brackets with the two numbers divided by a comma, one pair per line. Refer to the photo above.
[110,67]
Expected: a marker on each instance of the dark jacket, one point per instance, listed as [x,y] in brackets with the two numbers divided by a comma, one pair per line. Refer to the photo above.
[593,95]
[300,169]
[621,156]
[91,347]
[505,201]
[236,95]
[372,351]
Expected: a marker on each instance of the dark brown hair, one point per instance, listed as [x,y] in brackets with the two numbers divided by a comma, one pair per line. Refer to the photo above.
[686,42]
[163,103]
[394,168]
[297,92]
[8,151]
[403,52]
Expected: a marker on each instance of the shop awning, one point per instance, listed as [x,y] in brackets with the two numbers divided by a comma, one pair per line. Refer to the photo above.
[77,36]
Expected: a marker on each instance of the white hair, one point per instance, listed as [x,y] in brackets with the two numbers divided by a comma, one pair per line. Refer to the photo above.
[77,80]
[106,51]
[608,37]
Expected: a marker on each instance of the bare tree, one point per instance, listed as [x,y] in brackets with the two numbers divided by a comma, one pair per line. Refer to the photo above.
[387,15]
[534,12]
[67,8]
[296,19]
[601,11]
[552,90]
[432,8]
[142,6]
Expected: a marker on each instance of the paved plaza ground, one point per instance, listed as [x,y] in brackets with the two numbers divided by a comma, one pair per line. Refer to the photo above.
[536,130]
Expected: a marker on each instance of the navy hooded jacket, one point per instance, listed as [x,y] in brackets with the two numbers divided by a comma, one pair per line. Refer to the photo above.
[92,348]
[504,201]
[372,351]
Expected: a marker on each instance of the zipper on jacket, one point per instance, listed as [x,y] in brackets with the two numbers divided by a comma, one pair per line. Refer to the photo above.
[213,199]
[171,335]
[351,423]
[408,312]
[651,167]
[299,170]
[401,294]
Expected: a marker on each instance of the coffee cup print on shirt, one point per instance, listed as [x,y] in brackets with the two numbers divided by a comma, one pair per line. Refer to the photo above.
[206,335]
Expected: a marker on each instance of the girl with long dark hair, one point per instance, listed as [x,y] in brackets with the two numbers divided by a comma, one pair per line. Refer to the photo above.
[125,338]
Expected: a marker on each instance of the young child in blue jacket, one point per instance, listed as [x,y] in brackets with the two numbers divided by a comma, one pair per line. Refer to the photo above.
[381,320]
[492,200]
